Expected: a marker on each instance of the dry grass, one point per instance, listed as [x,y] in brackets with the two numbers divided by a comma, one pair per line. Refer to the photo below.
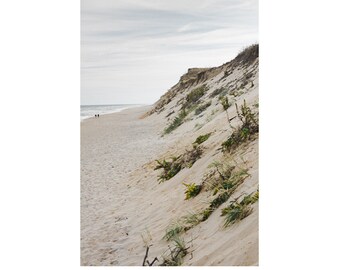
[176,253]
[245,132]
[248,55]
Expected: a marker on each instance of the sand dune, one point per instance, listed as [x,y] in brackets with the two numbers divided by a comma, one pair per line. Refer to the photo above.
[121,198]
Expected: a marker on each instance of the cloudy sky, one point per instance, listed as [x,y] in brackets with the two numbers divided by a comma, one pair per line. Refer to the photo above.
[132,51]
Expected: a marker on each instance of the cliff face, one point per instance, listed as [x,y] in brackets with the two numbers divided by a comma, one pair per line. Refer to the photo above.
[207,181]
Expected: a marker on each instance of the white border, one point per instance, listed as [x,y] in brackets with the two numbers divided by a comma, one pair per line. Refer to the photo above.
[299,150]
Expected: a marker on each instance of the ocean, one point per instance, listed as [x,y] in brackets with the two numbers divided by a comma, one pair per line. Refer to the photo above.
[87,111]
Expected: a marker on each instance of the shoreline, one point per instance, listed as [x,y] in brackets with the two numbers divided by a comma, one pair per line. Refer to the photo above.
[116,111]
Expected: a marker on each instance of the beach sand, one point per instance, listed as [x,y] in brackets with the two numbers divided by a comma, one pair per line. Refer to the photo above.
[124,208]
[121,199]
[112,146]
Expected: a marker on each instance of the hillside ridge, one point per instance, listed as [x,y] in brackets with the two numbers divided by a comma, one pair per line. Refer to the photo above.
[196,76]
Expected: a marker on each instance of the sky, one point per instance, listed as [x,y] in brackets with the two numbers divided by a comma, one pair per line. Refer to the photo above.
[133,51]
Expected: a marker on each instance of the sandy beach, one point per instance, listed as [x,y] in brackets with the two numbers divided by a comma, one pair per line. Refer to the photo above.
[126,208]
[112,146]
[121,199]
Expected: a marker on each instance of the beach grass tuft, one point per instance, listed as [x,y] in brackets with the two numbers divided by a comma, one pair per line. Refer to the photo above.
[223,180]
[173,230]
[176,164]
[225,102]
[245,132]
[195,95]
[192,190]
[202,138]
[176,253]
[176,122]
[218,91]
[170,168]
[202,108]
[238,211]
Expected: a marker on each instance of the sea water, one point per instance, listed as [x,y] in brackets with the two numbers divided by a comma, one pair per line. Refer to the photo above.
[88,111]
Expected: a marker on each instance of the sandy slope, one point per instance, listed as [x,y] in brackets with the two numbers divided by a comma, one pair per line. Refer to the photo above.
[121,199]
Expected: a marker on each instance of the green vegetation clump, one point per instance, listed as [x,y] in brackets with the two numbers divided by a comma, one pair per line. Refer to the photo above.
[220,199]
[176,253]
[192,190]
[195,95]
[202,138]
[255,197]
[170,168]
[188,106]
[238,211]
[176,164]
[223,181]
[229,180]
[251,198]
[245,132]
[176,122]
[206,214]
[225,103]
[224,177]
[230,183]
[215,203]
[202,108]
[178,249]
[218,91]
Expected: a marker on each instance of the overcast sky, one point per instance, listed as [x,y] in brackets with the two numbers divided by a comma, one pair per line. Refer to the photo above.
[133,51]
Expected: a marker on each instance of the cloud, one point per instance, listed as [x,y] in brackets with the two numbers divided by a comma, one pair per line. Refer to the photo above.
[132,51]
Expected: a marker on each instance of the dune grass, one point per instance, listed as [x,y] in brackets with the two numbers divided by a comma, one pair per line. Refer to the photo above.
[170,168]
[237,211]
[176,122]
[176,253]
[248,55]
[195,95]
[202,138]
[202,108]
[245,132]
[192,190]
[176,164]
[173,230]
[224,180]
